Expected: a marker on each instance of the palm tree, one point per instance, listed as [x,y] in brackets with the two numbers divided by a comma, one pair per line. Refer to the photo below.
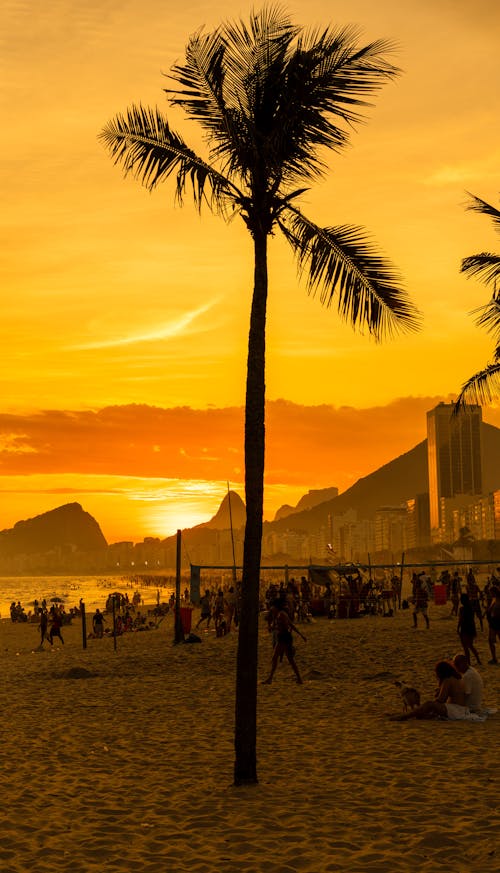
[484,386]
[270,97]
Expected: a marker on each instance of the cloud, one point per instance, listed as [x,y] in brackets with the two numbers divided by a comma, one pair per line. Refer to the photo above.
[307,446]
[166,331]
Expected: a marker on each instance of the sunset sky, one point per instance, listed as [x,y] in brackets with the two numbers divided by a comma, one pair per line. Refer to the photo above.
[125,318]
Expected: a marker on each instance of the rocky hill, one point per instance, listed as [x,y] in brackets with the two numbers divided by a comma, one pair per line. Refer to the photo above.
[67,527]
[232,509]
[314,497]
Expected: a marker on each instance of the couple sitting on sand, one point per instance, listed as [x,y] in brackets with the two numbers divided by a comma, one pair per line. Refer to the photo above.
[458,697]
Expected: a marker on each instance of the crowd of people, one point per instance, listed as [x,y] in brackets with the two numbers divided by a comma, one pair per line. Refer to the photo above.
[468,603]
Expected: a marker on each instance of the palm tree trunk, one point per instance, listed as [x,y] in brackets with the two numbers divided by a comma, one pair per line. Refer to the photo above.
[245,738]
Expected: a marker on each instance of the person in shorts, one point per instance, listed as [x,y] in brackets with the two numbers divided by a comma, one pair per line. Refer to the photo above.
[283,627]
[420,600]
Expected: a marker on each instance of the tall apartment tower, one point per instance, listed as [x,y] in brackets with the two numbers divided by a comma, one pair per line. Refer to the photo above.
[454,455]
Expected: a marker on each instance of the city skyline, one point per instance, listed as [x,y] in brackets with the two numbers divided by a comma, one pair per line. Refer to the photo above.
[117,300]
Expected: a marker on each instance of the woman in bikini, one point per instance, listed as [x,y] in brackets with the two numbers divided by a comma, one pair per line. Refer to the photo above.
[283,627]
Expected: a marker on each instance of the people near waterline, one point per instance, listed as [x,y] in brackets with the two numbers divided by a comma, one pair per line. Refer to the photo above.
[17,612]
[206,609]
[55,625]
[493,619]
[473,683]
[283,627]
[450,700]
[98,624]
[420,599]
[466,628]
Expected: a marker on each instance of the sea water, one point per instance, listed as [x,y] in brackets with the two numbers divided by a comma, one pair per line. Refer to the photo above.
[93,590]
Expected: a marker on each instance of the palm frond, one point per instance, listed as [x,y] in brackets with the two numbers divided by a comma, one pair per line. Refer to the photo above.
[142,141]
[489,316]
[346,266]
[271,95]
[218,78]
[485,266]
[481,389]
[476,204]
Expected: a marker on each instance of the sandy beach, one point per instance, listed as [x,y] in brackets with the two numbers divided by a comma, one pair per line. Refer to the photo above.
[122,760]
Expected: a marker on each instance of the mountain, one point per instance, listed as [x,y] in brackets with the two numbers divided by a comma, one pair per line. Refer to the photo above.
[390,485]
[314,497]
[232,509]
[68,527]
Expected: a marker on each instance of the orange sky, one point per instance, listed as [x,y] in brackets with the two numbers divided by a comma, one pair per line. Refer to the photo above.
[117,302]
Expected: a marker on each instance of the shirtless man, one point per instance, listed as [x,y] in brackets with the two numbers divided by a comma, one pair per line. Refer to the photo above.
[493,619]
[283,627]
[450,698]
[473,683]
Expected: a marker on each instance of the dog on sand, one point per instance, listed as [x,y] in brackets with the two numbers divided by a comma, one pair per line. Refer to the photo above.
[409,696]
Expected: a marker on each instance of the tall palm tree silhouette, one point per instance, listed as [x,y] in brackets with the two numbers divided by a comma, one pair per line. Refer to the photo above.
[484,386]
[271,98]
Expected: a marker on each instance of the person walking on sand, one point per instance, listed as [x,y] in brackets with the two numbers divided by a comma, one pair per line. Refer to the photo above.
[493,619]
[206,610]
[466,628]
[55,627]
[98,624]
[44,623]
[420,599]
[474,593]
[283,627]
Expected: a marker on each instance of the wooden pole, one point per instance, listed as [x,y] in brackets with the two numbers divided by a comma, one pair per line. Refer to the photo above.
[84,624]
[232,532]
[401,579]
[178,632]
[114,622]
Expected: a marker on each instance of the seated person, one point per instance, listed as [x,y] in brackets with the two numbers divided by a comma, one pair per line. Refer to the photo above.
[472,681]
[449,701]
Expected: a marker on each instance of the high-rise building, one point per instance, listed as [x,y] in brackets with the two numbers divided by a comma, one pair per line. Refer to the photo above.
[454,455]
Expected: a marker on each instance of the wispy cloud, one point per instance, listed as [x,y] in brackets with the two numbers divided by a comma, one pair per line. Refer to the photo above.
[164,331]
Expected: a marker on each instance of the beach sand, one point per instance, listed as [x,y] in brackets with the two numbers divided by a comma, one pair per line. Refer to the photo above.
[130,768]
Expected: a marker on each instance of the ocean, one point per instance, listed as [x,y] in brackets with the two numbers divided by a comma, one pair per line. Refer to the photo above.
[93,590]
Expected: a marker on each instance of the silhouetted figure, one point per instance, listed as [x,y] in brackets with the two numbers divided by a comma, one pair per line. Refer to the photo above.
[493,619]
[283,627]
[206,609]
[55,627]
[98,624]
[420,600]
[44,623]
[466,627]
